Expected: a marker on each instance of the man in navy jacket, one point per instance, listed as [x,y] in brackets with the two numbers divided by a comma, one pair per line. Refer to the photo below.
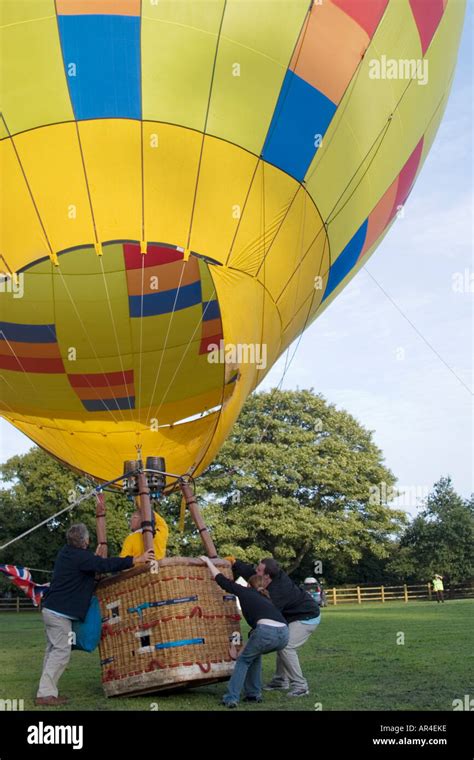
[68,599]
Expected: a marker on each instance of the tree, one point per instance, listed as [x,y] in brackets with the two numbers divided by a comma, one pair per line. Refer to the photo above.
[299,480]
[440,539]
[37,486]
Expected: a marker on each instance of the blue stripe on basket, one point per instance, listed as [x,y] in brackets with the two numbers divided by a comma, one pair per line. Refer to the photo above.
[145,605]
[180,643]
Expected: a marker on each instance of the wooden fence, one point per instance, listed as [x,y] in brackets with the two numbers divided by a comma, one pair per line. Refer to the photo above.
[17,604]
[402,593]
[334,596]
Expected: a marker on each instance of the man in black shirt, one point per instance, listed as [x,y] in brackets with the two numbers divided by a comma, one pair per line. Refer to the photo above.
[301,613]
[68,599]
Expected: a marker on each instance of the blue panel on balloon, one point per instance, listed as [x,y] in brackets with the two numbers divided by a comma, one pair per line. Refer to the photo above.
[348,258]
[302,113]
[102,61]
[109,404]
[165,302]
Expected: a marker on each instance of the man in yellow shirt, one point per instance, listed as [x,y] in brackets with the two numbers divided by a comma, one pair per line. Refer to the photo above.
[133,545]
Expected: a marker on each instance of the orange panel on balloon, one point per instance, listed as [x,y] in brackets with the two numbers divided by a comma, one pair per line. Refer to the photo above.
[211,328]
[380,216]
[98,7]
[30,350]
[329,50]
[162,277]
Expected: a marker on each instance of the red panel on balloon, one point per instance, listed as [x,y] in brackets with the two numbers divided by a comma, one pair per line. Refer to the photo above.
[367,13]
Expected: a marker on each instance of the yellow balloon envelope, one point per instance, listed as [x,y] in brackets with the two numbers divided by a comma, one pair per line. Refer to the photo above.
[186,185]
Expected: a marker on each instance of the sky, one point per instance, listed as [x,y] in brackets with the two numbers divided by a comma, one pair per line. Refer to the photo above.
[404,370]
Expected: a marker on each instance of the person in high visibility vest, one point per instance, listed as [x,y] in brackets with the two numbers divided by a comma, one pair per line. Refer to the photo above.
[133,545]
[438,588]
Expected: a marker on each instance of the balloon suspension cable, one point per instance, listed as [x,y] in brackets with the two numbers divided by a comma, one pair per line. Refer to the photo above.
[97,490]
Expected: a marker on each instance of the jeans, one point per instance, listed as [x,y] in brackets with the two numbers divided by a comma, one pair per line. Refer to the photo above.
[247,673]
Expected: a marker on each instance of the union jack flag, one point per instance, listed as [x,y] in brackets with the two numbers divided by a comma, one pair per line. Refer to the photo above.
[21,577]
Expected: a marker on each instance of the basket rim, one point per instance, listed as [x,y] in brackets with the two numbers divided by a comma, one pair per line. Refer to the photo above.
[109,580]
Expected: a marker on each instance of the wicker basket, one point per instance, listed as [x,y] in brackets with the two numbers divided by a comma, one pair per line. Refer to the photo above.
[166,627]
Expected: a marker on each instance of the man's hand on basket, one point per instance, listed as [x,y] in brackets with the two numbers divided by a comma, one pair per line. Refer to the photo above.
[144,558]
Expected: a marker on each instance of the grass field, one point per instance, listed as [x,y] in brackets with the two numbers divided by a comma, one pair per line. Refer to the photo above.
[352,662]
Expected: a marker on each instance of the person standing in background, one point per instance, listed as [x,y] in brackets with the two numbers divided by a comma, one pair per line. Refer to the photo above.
[438,588]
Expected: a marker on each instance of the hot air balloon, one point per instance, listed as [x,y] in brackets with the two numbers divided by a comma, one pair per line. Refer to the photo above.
[179,175]
[186,186]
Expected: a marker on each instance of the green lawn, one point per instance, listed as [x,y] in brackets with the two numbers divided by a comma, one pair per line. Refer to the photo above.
[352,662]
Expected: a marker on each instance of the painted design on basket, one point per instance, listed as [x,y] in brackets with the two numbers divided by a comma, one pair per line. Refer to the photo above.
[179,643]
[107,631]
[145,605]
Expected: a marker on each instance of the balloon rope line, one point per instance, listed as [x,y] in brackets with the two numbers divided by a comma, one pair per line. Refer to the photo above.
[420,335]
[81,322]
[93,492]
[48,519]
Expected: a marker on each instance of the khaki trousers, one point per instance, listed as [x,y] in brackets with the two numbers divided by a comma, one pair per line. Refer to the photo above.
[58,652]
